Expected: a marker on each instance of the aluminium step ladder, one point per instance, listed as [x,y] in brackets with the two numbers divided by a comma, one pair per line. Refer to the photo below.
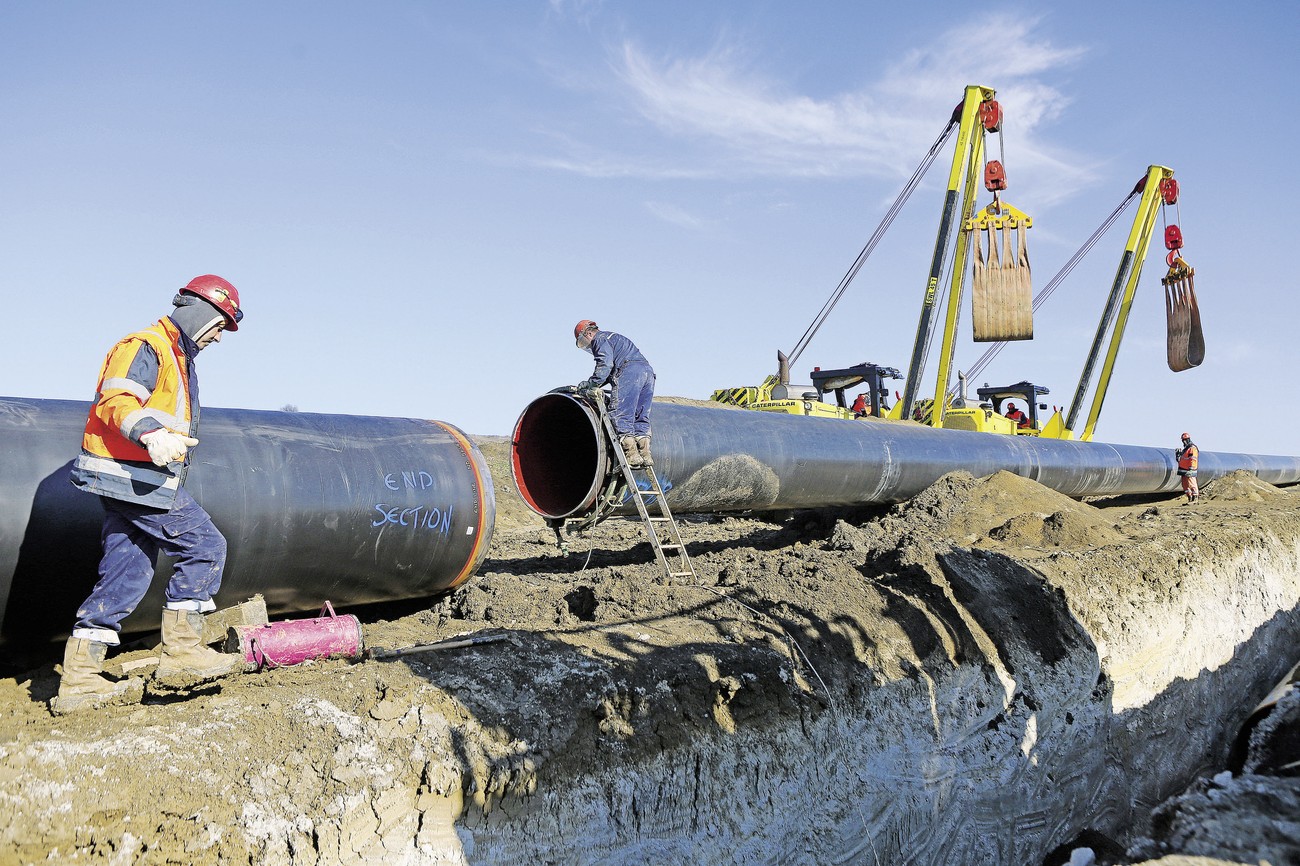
[661,529]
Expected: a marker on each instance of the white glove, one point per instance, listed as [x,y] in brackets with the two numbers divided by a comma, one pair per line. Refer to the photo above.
[167,447]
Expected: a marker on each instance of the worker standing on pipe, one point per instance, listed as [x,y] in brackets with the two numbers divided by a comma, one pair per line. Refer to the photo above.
[134,456]
[620,363]
[1188,456]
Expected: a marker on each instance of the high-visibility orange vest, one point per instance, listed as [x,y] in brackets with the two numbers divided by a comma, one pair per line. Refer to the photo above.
[110,464]
[1189,458]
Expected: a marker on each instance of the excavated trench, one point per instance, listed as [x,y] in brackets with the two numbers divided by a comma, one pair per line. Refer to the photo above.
[988,673]
[1012,722]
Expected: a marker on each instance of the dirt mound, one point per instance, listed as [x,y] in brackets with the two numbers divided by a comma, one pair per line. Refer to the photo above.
[1067,528]
[1002,510]
[1240,486]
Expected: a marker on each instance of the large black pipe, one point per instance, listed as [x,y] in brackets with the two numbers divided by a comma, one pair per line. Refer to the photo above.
[722,459]
[343,508]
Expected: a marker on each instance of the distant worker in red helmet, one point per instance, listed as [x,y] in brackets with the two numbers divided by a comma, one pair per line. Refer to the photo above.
[620,363]
[1188,456]
[1016,415]
[861,408]
[134,456]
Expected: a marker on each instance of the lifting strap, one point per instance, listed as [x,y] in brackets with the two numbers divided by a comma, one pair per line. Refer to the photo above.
[1186,344]
[1002,294]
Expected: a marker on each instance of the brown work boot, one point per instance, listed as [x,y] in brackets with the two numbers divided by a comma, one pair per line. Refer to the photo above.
[185,655]
[643,447]
[81,685]
[630,451]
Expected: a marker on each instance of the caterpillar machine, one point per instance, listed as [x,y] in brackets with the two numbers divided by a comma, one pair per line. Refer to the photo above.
[1002,303]
[1156,192]
[1001,298]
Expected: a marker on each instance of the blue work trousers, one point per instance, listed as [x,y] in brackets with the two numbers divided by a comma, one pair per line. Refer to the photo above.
[633,390]
[132,537]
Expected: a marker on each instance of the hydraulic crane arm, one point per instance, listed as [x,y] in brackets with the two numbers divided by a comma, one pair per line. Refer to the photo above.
[1155,188]
[968,143]
[1001,279]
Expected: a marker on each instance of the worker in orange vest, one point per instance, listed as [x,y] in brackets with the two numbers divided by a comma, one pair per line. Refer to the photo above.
[1020,418]
[1188,457]
[861,408]
[134,456]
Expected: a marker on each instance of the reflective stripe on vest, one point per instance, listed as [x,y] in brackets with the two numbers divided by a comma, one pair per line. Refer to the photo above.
[110,464]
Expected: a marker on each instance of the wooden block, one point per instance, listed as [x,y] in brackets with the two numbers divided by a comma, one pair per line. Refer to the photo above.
[217,623]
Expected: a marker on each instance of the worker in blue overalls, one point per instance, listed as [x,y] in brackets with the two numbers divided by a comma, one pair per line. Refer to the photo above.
[620,363]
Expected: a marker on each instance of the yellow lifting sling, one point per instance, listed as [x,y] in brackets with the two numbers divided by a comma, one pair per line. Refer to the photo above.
[1186,344]
[1002,294]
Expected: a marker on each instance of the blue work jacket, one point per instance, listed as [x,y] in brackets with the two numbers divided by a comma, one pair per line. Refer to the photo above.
[612,352]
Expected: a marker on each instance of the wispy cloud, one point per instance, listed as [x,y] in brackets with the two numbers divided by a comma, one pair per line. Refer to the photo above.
[724,114]
[722,100]
[582,11]
[671,213]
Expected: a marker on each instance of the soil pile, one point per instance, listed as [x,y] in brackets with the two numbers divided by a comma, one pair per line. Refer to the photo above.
[1240,486]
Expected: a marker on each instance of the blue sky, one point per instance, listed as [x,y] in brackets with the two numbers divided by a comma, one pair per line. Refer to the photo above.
[417,201]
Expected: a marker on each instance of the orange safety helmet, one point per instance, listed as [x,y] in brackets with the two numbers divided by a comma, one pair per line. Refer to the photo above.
[220,294]
[581,328]
[1187,435]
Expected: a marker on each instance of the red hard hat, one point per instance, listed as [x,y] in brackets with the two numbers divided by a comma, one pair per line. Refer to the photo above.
[221,294]
[582,326]
[1187,435]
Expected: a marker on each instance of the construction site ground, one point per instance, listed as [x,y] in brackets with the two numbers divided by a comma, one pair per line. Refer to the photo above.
[602,659]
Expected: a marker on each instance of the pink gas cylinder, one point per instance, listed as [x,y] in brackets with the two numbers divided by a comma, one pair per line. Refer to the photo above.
[292,641]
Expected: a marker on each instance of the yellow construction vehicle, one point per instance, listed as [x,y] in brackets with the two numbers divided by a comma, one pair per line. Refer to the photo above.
[810,399]
[1185,341]
[773,395]
[1002,302]
[992,411]
[1157,191]
[1001,298]
[1001,293]
[874,400]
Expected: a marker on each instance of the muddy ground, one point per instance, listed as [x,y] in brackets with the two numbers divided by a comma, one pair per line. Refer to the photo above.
[302,765]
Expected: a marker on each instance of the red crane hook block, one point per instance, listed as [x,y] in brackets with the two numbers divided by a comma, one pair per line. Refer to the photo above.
[991,115]
[995,176]
[1173,238]
[1169,190]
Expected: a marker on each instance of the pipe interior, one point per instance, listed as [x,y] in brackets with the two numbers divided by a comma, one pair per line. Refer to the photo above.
[555,458]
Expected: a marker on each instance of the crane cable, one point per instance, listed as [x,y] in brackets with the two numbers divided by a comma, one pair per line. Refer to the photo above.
[875,238]
[992,351]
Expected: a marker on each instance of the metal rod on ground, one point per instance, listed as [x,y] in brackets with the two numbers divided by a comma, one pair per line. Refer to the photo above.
[385,654]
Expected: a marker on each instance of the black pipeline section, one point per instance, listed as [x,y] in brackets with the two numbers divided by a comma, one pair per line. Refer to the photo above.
[344,508]
[723,459]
